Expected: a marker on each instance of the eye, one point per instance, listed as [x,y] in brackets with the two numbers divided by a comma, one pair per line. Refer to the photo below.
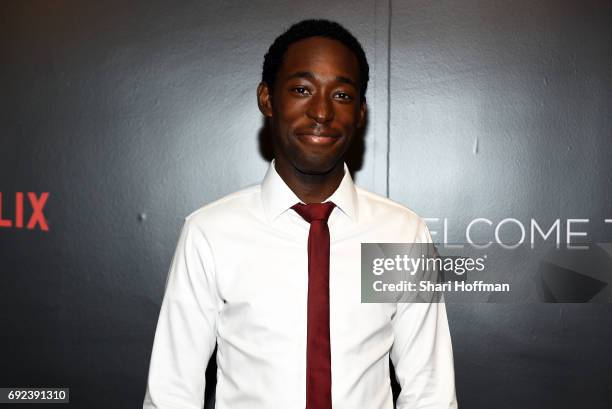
[300,90]
[343,96]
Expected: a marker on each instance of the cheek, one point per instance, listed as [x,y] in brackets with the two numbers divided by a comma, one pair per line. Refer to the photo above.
[289,107]
[348,117]
[296,110]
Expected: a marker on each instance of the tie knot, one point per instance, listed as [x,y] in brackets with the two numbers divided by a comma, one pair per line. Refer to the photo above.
[314,211]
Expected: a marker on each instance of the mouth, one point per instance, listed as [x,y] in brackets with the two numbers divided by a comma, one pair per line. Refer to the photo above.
[318,138]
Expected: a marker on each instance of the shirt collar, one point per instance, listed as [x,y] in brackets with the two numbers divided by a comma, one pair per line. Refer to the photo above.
[277,197]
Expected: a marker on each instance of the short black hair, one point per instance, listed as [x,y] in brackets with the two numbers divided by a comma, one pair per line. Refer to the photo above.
[314,28]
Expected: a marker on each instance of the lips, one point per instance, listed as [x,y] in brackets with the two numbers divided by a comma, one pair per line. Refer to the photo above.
[317,138]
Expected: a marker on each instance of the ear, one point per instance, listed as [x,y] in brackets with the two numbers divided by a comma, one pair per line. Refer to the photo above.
[362,114]
[264,99]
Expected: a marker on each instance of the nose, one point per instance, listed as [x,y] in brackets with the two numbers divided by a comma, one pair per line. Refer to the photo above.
[320,109]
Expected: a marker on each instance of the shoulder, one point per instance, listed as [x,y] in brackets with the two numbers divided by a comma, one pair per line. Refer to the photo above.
[375,205]
[379,209]
[380,204]
[228,209]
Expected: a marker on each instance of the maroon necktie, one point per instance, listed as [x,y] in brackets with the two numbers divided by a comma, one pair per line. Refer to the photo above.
[318,351]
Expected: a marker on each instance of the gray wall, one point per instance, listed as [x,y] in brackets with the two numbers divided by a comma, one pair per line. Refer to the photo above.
[529,84]
[132,115]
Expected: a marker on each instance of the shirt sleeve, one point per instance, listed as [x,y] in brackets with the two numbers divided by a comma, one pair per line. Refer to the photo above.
[422,354]
[187,325]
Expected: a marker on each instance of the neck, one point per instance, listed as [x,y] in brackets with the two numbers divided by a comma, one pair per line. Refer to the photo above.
[310,188]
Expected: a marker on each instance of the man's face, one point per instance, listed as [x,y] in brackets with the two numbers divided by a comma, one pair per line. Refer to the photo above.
[315,107]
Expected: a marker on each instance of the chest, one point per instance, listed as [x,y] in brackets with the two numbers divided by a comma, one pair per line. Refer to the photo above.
[263,282]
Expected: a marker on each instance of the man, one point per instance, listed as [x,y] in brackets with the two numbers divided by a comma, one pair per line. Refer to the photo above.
[271,273]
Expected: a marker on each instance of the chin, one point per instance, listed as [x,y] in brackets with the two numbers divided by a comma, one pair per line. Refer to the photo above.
[315,166]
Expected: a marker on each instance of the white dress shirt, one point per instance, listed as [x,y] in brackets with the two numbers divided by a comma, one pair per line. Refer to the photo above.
[239,278]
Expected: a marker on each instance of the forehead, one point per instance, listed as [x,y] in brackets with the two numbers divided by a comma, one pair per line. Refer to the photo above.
[321,56]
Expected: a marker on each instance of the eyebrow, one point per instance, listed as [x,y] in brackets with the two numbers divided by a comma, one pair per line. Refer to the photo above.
[310,75]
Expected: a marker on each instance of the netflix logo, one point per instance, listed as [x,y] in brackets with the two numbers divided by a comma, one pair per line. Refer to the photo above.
[35,211]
